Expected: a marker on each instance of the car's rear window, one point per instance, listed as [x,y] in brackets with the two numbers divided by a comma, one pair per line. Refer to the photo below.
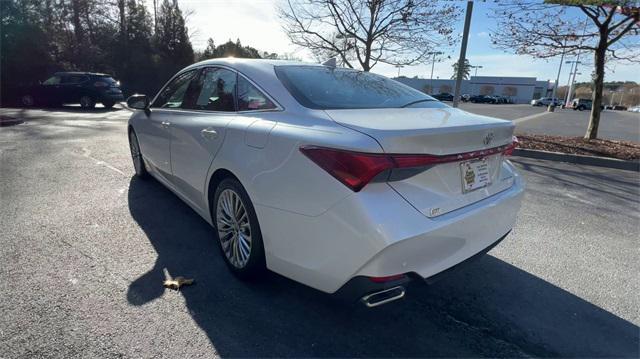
[321,87]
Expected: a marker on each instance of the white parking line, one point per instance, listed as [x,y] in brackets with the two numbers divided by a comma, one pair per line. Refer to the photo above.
[530,117]
[87,153]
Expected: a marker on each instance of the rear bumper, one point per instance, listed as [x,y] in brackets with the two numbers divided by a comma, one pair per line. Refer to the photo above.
[377,233]
[360,286]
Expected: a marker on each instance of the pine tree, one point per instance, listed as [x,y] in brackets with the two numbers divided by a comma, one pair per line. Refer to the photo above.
[466,70]
[172,38]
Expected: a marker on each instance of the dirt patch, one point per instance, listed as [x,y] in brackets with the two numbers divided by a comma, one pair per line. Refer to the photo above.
[623,150]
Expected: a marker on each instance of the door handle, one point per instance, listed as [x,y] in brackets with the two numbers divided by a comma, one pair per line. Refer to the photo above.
[209,133]
[165,124]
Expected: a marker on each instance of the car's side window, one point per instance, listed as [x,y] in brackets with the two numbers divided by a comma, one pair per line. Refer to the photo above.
[250,98]
[73,79]
[172,95]
[53,80]
[213,90]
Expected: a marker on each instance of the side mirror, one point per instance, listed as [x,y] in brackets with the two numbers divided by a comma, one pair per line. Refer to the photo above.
[139,102]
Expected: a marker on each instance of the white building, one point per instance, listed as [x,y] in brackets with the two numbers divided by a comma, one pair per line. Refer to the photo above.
[518,89]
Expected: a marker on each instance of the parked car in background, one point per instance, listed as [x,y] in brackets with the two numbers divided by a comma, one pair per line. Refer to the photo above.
[343,180]
[465,97]
[443,96]
[545,101]
[85,88]
[503,100]
[634,109]
[581,104]
[482,99]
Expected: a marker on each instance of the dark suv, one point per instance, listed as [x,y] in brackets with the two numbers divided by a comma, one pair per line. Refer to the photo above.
[85,88]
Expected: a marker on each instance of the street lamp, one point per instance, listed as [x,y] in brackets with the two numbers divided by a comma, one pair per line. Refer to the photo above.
[575,70]
[572,79]
[476,69]
[433,63]
[399,67]
[554,101]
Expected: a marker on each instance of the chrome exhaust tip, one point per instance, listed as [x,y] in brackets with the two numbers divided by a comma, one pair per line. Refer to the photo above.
[382,297]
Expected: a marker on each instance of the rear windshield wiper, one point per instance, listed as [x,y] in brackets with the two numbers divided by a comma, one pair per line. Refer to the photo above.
[418,101]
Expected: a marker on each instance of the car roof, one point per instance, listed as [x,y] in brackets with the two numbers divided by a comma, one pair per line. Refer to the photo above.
[256,63]
[81,73]
[261,71]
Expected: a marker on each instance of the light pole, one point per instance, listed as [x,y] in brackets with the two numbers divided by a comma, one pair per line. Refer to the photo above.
[399,67]
[476,70]
[433,63]
[552,104]
[572,79]
[575,70]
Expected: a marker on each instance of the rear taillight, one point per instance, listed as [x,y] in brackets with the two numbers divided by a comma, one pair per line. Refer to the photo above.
[356,169]
[353,169]
[512,146]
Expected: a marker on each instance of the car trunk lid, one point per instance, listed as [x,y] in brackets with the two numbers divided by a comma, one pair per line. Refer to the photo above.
[443,187]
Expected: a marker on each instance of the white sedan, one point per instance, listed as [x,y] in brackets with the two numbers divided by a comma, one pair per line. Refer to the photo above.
[343,180]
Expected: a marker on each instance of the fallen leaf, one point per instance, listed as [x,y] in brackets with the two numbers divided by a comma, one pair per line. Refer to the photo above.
[177,282]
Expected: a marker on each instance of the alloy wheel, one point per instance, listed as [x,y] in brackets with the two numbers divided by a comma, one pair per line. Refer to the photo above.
[135,152]
[234,228]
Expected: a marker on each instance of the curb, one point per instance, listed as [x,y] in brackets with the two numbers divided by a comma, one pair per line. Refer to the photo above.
[633,165]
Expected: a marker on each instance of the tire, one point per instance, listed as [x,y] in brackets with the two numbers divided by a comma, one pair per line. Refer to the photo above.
[87,102]
[581,108]
[27,101]
[237,227]
[108,104]
[136,156]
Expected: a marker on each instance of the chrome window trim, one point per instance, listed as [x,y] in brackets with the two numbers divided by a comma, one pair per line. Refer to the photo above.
[167,83]
[279,108]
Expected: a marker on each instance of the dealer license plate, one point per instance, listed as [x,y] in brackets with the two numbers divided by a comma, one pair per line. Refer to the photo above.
[475,175]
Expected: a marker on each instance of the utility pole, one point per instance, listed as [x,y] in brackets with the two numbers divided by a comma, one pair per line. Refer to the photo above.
[552,104]
[575,70]
[566,96]
[573,80]
[433,64]
[463,52]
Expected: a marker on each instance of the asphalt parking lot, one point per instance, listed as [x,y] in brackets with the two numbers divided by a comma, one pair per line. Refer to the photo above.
[504,111]
[615,125]
[85,247]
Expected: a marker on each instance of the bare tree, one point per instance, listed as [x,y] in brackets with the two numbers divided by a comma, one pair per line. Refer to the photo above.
[368,32]
[608,29]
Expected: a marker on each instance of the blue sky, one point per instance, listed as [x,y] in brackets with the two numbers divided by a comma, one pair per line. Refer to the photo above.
[256,23]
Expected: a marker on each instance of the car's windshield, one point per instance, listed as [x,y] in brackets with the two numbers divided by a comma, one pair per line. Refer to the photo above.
[110,80]
[324,88]
[53,80]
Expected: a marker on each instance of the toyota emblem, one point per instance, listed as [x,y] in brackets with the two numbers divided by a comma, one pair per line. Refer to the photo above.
[488,138]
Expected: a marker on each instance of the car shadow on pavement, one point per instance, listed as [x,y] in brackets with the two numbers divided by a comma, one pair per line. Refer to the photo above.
[78,109]
[490,308]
